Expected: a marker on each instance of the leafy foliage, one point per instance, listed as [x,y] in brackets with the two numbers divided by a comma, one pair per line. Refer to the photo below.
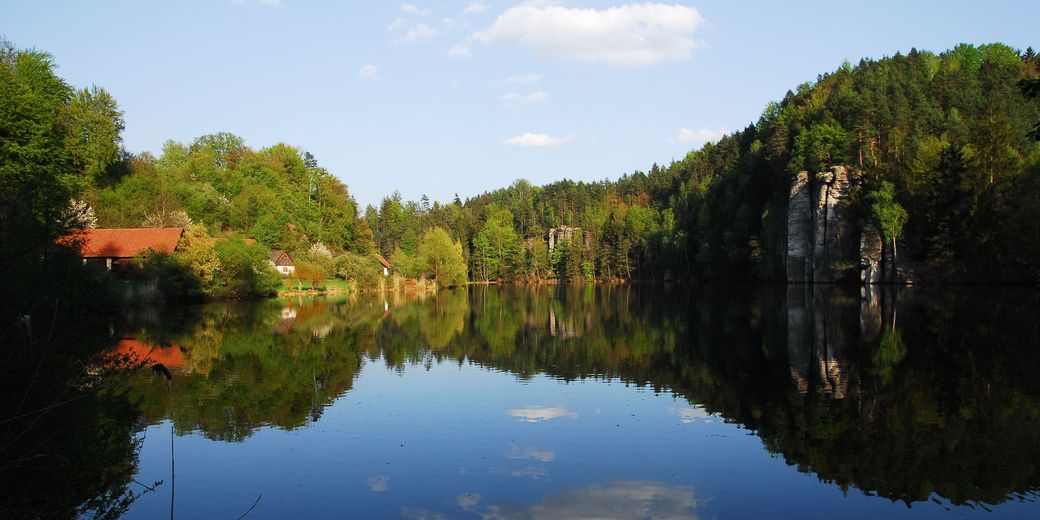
[945,136]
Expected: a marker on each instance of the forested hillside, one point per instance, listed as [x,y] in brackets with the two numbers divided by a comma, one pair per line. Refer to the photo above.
[941,142]
[277,195]
[942,145]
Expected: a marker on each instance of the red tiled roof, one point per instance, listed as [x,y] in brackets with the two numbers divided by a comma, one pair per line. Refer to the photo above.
[383,261]
[126,242]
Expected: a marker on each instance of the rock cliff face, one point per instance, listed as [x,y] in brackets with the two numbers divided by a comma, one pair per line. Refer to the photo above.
[818,227]
[870,254]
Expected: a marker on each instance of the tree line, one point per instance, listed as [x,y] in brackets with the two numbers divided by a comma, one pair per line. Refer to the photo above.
[944,144]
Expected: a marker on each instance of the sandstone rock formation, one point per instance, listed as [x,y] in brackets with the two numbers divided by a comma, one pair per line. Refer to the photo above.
[870,254]
[817,226]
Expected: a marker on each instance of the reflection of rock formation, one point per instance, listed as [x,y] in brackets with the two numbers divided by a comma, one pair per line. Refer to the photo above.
[869,314]
[817,341]
[561,327]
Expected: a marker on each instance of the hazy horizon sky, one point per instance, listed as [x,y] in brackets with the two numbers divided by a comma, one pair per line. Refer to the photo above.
[467,96]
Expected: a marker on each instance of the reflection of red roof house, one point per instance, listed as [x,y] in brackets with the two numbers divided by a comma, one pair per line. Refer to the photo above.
[115,244]
[138,352]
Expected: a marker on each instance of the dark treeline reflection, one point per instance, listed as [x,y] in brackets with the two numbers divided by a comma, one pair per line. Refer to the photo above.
[897,394]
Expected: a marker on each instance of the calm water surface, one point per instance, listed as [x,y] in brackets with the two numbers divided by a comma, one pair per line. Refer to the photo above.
[596,402]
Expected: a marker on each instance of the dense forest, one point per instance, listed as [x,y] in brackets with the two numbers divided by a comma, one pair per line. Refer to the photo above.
[948,160]
[943,145]
[942,142]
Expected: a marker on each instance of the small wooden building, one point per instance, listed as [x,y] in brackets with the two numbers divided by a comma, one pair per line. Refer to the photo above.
[117,246]
[387,266]
[282,262]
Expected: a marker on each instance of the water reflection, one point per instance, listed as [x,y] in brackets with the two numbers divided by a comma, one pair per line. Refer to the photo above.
[542,413]
[617,500]
[942,400]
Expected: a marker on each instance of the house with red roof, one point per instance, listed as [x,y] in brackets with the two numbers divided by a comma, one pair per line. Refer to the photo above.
[387,266]
[117,246]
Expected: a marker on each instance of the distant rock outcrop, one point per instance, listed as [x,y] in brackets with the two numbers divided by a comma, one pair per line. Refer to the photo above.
[870,254]
[562,233]
[817,226]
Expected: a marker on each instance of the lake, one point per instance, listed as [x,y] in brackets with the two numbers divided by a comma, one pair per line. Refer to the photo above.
[594,402]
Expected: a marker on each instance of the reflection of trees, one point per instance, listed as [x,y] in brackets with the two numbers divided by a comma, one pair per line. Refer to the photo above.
[67,446]
[828,378]
[251,377]
[943,401]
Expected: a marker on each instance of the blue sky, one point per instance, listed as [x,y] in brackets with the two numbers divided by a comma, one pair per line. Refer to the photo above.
[463,97]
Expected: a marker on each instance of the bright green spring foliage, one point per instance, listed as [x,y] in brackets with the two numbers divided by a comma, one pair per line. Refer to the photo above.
[278,195]
[441,257]
[947,137]
[496,248]
[889,215]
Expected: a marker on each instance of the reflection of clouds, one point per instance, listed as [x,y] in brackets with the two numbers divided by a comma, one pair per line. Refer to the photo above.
[525,452]
[379,483]
[623,499]
[690,414]
[414,513]
[542,413]
[529,472]
[468,501]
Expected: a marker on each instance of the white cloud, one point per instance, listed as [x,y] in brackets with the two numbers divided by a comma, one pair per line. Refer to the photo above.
[414,9]
[418,32]
[475,7]
[631,34]
[369,72]
[416,25]
[533,97]
[623,499]
[704,135]
[379,483]
[459,51]
[526,78]
[539,413]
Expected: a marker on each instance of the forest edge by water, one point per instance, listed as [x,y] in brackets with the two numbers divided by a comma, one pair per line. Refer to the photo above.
[920,167]
[913,168]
